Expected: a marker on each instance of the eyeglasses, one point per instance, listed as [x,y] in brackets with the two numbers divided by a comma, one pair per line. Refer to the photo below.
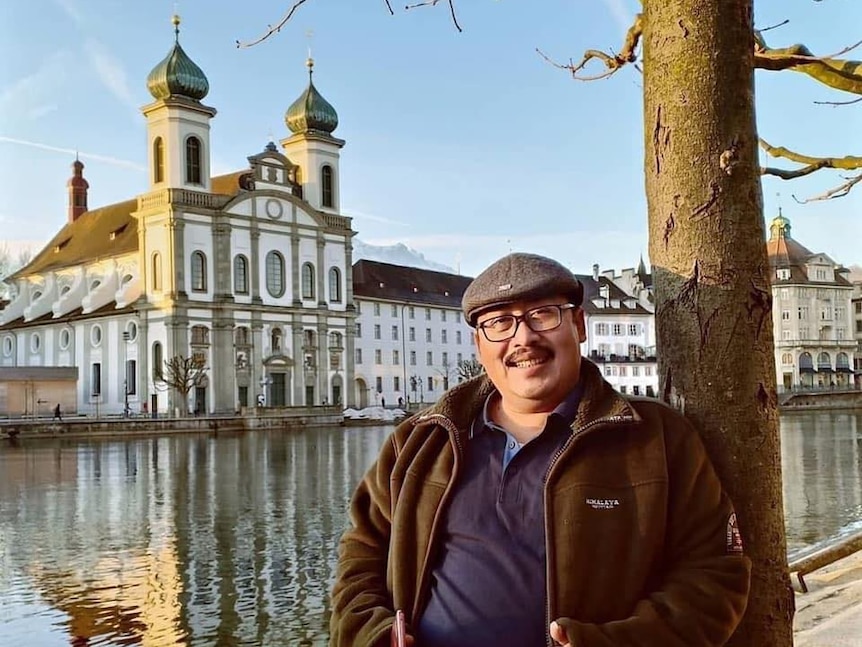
[539,319]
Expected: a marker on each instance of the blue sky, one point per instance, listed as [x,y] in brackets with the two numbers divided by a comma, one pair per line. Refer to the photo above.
[462,146]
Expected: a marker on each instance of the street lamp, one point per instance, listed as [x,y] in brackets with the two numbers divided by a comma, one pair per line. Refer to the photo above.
[262,396]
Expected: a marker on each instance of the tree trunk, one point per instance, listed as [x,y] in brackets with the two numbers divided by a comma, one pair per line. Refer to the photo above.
[708,253]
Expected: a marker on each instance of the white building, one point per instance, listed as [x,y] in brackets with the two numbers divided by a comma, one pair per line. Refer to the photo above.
[410,333]
[249,271]
[620,333]
[812,314]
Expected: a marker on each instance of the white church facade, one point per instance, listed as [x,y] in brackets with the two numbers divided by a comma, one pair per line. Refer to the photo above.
[250,272]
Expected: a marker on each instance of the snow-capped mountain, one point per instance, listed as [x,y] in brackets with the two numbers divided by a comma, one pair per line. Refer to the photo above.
[398,254]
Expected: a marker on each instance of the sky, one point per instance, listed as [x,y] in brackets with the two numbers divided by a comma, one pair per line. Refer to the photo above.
[463,146]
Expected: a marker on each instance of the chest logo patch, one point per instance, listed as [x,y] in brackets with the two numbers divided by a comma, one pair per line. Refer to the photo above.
[602,504]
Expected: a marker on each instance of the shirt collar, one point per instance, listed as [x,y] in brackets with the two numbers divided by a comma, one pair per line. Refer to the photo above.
[565,411]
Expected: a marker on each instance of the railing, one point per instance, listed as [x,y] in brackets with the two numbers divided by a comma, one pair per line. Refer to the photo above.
[810,559]
[336,222]
[615,359]
[185,197]
[817,388]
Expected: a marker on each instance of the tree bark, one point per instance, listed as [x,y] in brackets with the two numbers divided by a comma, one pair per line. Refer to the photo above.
[711,274]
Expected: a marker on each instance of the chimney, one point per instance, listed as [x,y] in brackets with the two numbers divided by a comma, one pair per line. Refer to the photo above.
[77,187]
[595,272]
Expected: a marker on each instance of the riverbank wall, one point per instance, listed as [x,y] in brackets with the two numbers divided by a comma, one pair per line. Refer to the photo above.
[820,400]
[285,418]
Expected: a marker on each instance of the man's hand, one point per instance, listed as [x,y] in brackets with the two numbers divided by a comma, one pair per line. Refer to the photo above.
[559,635]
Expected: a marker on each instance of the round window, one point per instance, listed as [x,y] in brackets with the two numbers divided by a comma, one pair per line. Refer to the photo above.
[131,333]
[35,342]
[65,338]
[96,335]
[7,346]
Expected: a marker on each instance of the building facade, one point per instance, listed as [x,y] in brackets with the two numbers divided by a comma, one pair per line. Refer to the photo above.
[812,315]
[410,335]
[249,273]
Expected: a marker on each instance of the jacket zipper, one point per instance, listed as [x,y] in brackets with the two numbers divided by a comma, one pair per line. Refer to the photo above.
[576,433]
[449,426]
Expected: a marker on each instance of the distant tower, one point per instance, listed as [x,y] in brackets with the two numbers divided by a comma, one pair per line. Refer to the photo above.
[77,187]
[312,147]
[178,124]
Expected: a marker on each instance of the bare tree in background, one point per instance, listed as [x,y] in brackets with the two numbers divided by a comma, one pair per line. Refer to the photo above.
[469,368]
[706,242]
[182,374]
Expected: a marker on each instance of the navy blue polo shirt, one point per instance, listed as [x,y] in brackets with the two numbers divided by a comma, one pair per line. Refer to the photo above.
[488,582]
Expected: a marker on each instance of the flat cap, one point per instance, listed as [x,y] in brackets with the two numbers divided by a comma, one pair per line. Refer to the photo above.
[519,277]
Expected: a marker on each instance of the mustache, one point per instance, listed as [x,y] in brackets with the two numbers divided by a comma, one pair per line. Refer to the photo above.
[527,352]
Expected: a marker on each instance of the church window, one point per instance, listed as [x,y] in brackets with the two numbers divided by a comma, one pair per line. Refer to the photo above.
[157,272]
[275,274]
[242,336]
[193,161]
[199,272]
[240,274]
[158,160]
[326,192]
[158,361]
[334,285]
[307,281]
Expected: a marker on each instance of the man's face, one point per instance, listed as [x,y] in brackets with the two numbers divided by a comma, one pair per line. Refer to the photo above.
[533,371]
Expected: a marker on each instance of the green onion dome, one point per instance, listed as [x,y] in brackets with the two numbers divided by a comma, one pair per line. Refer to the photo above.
[177,74]
[311,112]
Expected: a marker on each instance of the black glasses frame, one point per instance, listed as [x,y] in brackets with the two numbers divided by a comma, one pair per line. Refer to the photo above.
[517,319]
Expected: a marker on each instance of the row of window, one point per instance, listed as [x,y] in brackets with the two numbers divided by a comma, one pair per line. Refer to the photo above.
[826,313]
[824,334]
[274,273]
[617,329]
[808,293]
[415,384]
[65,339]
[625,371]
[824,360]
[396,357]
[411,334]
[130,378]
[445,315]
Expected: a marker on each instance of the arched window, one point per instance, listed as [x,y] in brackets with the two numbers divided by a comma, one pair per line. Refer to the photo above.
[200,335]
[157,272]
[158,361]
[158,160]
[334,285]
[275,274]
[824,361]
[199,272]
[326,191]
[787,359]
[307,281]
[240,274]
[335,340]
[193,160]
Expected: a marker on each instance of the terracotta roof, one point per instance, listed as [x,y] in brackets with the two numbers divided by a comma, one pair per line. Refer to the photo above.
[375,280]
[89,238]
[786,253]
[73,315]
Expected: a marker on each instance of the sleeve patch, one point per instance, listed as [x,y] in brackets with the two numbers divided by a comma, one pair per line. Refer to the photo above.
[734,537]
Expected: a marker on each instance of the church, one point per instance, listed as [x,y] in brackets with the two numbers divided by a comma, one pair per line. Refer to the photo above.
[248,275]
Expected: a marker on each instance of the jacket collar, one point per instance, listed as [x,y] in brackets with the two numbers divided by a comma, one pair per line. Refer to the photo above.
[462,403]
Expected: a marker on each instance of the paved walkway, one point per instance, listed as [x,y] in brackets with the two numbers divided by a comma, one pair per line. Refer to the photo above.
[830,614]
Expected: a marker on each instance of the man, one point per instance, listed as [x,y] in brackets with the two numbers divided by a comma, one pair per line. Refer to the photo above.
[535,504]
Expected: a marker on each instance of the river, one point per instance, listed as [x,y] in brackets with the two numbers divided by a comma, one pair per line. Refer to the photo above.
[194,540]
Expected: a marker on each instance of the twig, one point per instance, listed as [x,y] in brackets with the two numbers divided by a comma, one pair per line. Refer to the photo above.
[838,103]
[272,30]
[837,192]
[776,26]
[434,3]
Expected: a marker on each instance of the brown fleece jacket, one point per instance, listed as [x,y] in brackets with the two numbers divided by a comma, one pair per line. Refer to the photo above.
[640,544]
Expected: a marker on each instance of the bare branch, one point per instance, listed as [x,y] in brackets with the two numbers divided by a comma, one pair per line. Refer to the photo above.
[612,62]
[828,70]
[273,30]
[434,3]
[786,174]
[776,26]
[389,6]
[838,103]
[837,192]
[847,163]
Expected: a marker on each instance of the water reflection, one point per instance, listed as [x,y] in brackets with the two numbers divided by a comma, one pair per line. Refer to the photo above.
[230,540]
[821,456]
[176,541]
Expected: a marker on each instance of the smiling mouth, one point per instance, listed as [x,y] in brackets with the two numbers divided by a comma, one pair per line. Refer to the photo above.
[527,360]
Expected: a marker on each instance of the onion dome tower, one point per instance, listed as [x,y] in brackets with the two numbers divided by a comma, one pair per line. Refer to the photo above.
[178,124]
[312,147]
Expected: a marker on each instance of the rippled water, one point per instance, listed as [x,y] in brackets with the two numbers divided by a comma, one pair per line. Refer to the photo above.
[230,540]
